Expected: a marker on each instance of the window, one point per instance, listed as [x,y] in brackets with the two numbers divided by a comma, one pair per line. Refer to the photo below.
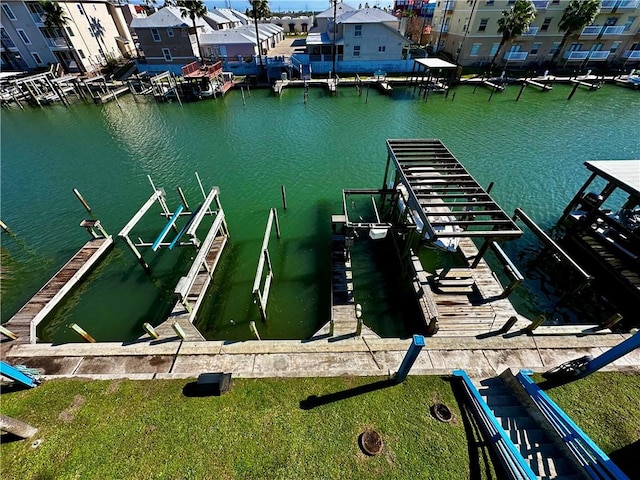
[358,31]
[8,12]
[155,34]
[167,54]
[37,58]
[490,2]
[629,22]
[554,48]
[611,21]
[614,47]
[575,47]
[475,48]
[534,48]
[169,33]
[356,50]
[80,9]
[81,53]
[483,24]
[70,31]
[545,24]
[494,49]
[23,36]
[382,48]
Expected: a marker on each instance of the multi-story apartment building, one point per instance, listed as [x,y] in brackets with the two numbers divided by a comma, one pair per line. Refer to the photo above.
[95,32]
[468,31]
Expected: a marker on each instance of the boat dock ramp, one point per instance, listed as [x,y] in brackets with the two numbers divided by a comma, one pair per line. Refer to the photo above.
[24,323]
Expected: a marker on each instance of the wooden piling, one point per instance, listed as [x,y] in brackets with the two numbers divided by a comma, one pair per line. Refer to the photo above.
[150,330]
[275,217]
[575,87]
[8,333]
[254,329]
[536,323]
[244,104]
[82,200]
[5,228]
[16,427]
[524,85]
[366,100]
[284,197]
[179,331]
[76,328]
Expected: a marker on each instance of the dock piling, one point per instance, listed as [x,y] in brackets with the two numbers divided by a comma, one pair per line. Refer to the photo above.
[254,330]
[150,330]
[522,87]
[76,328]
[82,200]
[284,197]
[179,331]
[8,333]
[5,228]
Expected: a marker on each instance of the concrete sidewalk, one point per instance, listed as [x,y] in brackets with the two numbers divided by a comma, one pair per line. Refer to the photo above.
[363,356]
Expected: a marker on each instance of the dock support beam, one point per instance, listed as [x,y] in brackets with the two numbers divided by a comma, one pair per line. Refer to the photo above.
[417,343]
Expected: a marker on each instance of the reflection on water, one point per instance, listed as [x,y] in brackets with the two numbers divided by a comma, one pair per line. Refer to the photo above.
[533,150]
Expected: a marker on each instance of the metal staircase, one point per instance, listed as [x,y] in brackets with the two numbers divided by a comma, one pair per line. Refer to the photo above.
[546,460]
[531,436]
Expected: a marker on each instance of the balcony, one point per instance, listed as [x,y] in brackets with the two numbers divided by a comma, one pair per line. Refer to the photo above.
[631,54]
[532,32]
[628,4]
[591,31]
[577,55]
[441,29]
[600,55]
[608,5]
[541,4]
[58,42]
[449,5]
[613,30]
[515,56]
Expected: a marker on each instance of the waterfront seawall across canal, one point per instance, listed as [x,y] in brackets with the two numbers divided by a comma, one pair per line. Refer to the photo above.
[533,150]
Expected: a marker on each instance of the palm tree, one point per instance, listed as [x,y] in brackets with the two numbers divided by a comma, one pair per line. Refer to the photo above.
[55,18]
[577,15]
[193,9]
[514,22]
[259,9]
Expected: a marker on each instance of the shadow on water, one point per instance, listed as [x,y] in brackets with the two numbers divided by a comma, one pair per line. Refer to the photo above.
[313,401]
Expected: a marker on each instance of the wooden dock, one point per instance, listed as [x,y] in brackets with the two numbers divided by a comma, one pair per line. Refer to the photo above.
[194,296]
[465,301]
[344,321]
[545,87]
[24,323]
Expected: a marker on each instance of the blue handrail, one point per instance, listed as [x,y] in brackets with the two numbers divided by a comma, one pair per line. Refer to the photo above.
[597,464]
[497,436]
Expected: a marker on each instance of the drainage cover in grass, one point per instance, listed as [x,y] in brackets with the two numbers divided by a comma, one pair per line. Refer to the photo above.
[371,442]
[441,412]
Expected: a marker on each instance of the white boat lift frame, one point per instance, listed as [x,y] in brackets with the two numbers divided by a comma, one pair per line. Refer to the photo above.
[261,297]
[159,196]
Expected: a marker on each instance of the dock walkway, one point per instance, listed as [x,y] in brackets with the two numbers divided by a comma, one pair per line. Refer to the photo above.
[195,296]
[24,323]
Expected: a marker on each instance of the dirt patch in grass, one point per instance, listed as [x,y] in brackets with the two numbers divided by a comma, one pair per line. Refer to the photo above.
[68,414]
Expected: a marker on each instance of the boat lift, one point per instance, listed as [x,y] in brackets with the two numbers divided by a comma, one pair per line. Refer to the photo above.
[189,229]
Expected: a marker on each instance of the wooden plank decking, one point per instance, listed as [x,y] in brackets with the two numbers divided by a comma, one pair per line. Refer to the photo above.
[467,300]
[195,297]
[26,320]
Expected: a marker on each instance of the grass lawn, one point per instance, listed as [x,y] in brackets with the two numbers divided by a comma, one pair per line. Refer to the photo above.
[150,430]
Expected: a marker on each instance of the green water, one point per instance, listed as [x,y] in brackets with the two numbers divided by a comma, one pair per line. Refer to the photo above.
[533,150]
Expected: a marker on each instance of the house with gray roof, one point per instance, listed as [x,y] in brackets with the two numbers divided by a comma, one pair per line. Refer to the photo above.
[226,18]
[365,35]
[166,40]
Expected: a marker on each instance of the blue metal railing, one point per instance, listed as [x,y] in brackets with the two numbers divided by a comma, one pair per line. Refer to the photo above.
[509,454]
[594,461]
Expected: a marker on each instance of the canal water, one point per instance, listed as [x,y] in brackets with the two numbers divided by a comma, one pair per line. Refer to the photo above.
[533,150]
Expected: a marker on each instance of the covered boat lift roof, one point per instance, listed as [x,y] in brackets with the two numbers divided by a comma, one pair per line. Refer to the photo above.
[430,63]
[624,174]
[448,200]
